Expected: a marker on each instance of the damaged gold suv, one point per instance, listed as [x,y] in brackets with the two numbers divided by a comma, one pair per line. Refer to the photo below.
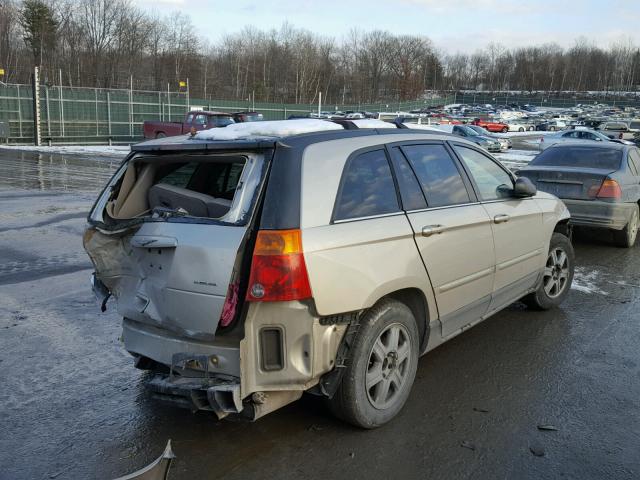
[259,261]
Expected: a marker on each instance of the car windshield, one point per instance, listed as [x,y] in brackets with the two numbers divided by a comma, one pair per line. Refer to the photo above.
[478,130]
[585,157]
[469,131]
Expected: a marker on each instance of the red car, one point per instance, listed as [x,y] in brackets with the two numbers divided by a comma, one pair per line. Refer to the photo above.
[198,120]
[491,126]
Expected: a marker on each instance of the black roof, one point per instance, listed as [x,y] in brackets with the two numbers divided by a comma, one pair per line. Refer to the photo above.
[187,142]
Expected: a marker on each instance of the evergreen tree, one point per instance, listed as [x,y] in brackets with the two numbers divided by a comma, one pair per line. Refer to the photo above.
[40,27]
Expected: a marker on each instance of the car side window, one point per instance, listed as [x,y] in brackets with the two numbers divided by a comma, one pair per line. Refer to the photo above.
[366,188]
[201,119]
[492,180]
[189,118]
[573,134]
[438,174]
[410,191]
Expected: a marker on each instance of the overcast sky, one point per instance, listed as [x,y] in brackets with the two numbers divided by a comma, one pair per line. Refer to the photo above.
[453,25]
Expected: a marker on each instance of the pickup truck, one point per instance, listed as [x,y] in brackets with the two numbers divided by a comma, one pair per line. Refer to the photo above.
[198,120]
[491,126]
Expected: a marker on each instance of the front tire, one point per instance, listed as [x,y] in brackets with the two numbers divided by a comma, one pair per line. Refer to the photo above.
[505,129]
[626,238]
[521,129]
[384,360]
[557,276]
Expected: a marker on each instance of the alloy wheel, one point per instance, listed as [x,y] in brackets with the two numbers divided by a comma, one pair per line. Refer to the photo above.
[632,229]
[556,272]
[388,366]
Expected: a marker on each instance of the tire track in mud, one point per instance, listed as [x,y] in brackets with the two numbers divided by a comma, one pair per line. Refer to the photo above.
[19,271]
[57,219]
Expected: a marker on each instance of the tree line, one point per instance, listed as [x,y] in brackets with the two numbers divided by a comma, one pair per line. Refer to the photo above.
[114,44]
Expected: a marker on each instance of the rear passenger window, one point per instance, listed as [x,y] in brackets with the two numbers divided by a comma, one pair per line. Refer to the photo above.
[367,188]
[440,179]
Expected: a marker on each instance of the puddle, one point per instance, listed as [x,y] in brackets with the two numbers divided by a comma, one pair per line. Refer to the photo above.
[51,171]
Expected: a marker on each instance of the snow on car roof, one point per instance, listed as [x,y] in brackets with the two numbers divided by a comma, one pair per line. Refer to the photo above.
[371,123]
[269,128]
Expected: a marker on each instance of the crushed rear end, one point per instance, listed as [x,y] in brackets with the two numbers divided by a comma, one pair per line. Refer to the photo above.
[169,238]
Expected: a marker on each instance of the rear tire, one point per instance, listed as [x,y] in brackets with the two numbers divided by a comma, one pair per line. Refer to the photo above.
[505,129]
[521,129]
[626,238]
[160,135]
[382,367]
[557,277]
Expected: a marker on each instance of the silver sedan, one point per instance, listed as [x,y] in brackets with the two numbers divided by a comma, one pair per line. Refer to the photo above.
[577,134]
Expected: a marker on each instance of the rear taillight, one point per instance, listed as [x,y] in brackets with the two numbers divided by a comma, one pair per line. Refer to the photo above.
[620,136]
[278,270]
[609,189]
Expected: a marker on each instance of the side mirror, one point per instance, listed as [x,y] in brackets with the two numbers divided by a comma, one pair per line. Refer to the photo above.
[524,188]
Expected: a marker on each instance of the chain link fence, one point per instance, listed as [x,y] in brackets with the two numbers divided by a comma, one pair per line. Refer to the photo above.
[72,115]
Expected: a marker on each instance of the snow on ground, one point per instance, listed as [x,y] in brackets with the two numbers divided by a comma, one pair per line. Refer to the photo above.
[584,281]
[515,159]
[526,134]
[106,150]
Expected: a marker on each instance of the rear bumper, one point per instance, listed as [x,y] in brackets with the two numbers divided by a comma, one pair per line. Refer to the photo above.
[595,213]
[161,346]
[285,351]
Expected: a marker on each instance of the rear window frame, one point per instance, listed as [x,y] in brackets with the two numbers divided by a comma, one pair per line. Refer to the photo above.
[267,154]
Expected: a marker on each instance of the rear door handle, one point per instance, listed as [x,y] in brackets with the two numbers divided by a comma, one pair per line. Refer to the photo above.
[432,230]
[501,218]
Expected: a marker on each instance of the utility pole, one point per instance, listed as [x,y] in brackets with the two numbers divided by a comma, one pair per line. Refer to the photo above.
[37,136]
[319,103]
[61,104]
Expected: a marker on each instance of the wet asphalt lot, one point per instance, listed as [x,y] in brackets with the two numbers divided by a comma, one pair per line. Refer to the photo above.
[73,406]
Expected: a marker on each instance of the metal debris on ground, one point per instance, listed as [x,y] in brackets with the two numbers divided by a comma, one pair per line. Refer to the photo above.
[157,470]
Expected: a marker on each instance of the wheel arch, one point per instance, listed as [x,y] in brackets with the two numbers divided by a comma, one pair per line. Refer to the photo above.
[564,227]
[416,300]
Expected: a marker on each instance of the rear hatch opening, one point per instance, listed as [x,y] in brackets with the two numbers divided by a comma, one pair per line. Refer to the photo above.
[168,238]
[200,186]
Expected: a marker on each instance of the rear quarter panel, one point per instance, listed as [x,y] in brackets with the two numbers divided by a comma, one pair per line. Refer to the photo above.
[353,264]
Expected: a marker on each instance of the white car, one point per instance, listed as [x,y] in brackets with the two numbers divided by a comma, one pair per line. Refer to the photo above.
[520,127]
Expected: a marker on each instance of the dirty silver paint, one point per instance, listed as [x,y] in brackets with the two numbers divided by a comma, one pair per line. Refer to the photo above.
[73,406]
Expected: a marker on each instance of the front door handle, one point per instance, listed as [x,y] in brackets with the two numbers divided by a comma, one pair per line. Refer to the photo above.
[432,230]
[501,218]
